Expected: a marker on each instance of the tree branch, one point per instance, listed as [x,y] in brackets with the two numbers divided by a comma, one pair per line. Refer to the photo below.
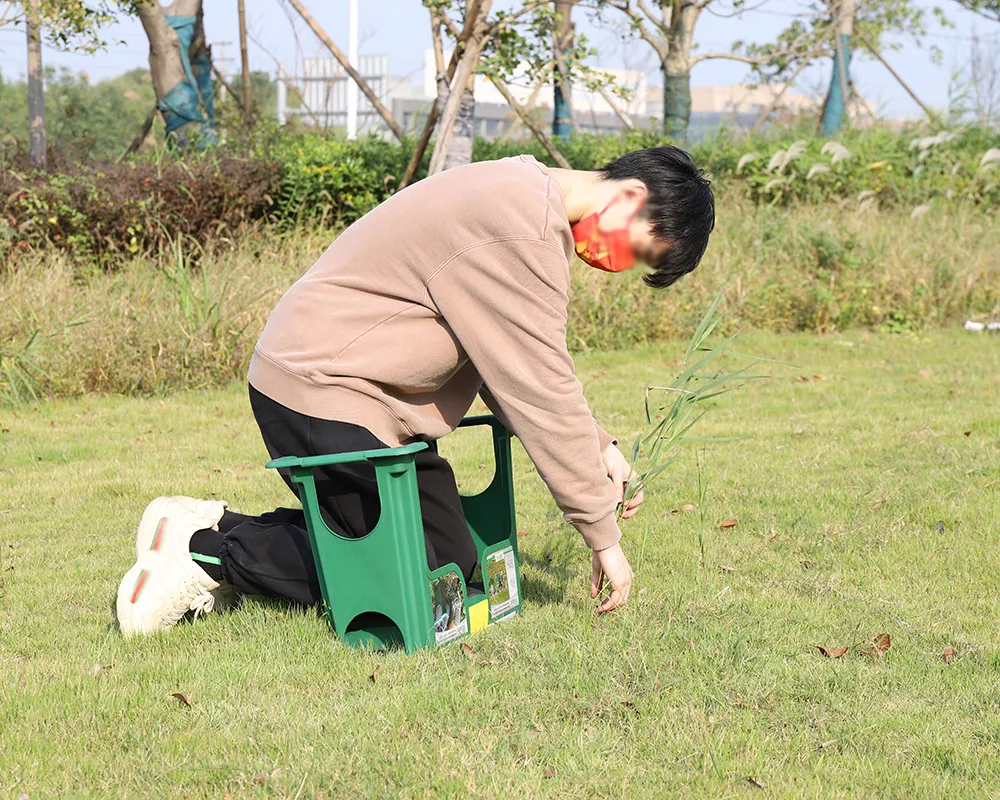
[539,134]
[349,68]
[225,84]
[645,9]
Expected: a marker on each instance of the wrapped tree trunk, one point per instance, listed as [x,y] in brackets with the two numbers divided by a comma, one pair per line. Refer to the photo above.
[835,106]
[180,62]
[677,64]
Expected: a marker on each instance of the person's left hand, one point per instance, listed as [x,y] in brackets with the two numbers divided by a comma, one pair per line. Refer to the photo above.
[620,473]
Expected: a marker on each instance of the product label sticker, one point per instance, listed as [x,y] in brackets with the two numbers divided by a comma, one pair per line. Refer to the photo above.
[501,582]
[448,604]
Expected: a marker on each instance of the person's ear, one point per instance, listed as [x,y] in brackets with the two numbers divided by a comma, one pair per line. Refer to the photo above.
[634,192]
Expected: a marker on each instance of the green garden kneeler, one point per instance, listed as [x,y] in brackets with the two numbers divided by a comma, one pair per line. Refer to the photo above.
[377,590]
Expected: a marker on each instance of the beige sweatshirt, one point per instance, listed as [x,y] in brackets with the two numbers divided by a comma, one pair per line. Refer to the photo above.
[455,286]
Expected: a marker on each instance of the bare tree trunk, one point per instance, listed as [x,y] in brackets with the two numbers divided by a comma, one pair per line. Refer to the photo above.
[245,65]
[464,132]
[444,77]
[36,88]
[471,39]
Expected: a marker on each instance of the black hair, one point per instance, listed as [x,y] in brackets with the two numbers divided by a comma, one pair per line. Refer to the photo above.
[680,205]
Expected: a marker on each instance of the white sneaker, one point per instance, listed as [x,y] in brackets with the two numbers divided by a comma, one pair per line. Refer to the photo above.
[209,511]
[165,582]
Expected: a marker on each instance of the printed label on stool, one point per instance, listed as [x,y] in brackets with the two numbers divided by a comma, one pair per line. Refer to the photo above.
[448,603]
[501,582]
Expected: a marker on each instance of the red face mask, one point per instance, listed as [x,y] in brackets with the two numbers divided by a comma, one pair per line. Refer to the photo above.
[610,251]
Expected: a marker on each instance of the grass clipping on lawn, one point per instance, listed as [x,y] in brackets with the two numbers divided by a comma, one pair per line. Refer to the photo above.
[672,411]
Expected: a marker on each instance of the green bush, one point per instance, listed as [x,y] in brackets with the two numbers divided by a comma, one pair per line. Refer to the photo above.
[104,211]
[871,167]
[325,180]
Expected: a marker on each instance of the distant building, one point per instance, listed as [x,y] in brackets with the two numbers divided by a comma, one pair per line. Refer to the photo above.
[323,90]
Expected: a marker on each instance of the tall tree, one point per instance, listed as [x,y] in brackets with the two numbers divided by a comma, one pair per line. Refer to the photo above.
[828,34]
[180,61]
[668,26]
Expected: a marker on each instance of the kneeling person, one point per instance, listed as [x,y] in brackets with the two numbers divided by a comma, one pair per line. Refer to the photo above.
[454,287]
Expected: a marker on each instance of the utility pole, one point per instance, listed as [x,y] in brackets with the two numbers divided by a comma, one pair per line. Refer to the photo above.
[36,87]
[835,108]
[352,57]
[245,65]
[562,116]
[282,95]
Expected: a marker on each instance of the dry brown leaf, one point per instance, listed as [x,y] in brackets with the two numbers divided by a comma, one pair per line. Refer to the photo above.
[522,533]
[182,698]
[807,564]
[549,773]
[949,654]
[802,379]
[729,523]
[832,652]
[467,650]
[924,373]
[878,505]
[798,432]
[674,512]
[878,647]
[817,378]
[967,433]
[277,772]
[260,777]
[689,507]
[372,676]
[753,783]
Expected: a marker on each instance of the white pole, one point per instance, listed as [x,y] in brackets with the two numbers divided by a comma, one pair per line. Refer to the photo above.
[282,95]
[352,57]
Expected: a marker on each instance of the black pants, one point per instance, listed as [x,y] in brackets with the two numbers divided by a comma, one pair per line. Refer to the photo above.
[271,554]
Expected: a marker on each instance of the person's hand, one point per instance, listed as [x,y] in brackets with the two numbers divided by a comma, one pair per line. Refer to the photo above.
[611,563]
[620,473]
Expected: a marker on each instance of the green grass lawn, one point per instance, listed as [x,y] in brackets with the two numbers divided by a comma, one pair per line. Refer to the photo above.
[867,500]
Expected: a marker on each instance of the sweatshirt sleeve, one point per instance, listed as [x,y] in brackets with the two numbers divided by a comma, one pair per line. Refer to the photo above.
[603,436]
[505,301]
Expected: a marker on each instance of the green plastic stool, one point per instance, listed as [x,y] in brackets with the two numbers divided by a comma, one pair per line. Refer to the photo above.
[377,590]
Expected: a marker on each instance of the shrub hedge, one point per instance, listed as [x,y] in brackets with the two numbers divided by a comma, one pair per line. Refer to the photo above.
[106,213]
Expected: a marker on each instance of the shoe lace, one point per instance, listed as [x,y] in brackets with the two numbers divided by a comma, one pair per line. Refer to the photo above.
[202,601]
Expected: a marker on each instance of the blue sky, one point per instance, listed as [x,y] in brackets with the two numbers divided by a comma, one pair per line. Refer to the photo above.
[400,29]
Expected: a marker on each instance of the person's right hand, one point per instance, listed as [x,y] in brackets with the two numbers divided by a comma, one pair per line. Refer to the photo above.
[611,563]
